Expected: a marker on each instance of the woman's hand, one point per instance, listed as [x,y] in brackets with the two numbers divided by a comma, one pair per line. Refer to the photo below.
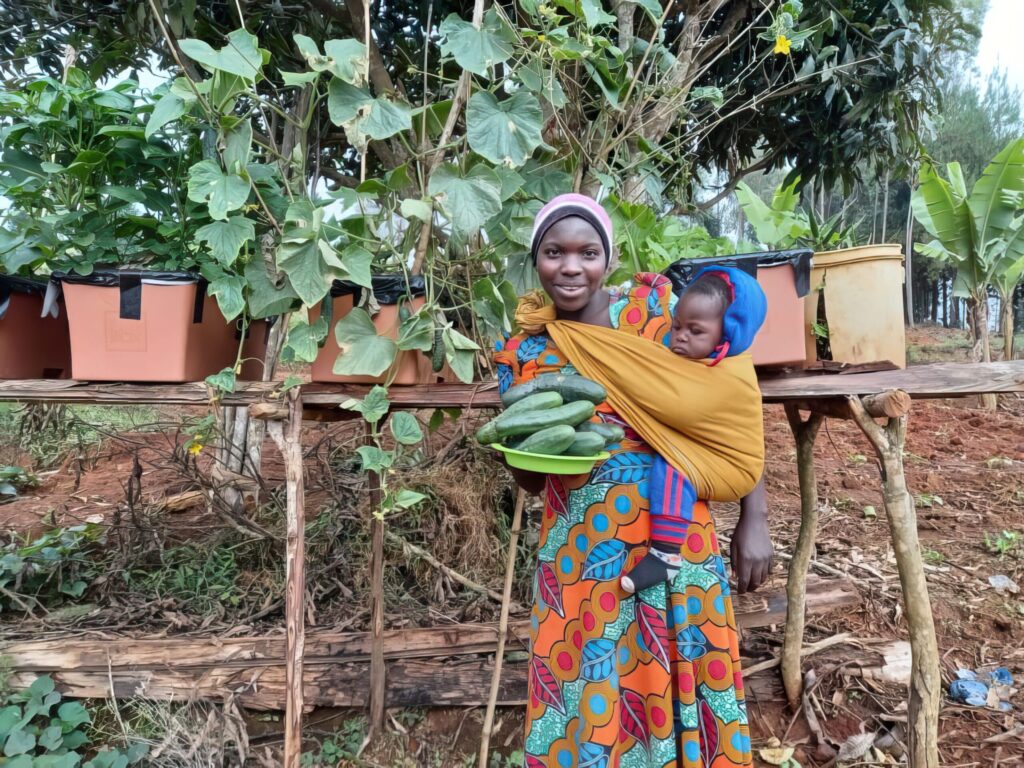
[751,549]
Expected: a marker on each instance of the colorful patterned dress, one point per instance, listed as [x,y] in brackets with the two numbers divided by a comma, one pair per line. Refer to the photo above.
[618,681]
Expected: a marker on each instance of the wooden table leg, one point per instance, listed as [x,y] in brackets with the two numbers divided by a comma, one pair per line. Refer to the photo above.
[805,433]
[377,669]
[288,438]
[925,679]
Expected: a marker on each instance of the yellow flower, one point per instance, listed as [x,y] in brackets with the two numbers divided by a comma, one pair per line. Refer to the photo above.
[782,45]
[196,446]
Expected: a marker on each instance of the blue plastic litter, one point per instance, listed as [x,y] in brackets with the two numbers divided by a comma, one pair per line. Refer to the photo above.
[972,688]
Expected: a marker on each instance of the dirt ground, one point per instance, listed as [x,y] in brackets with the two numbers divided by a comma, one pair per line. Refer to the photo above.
[965,468]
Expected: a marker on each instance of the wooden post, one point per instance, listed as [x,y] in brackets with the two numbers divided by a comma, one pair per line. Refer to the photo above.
[805,433]
[377,670]
[925,679]
[499,656]
[288,438]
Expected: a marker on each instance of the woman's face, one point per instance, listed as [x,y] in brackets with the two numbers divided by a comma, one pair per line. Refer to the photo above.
[571,264]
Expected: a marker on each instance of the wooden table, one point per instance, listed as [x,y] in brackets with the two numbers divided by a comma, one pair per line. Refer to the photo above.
[862,397]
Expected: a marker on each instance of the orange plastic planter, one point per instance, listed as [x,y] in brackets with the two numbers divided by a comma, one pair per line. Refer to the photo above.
[167,342]
[410,366]
[780,342]
[31,346]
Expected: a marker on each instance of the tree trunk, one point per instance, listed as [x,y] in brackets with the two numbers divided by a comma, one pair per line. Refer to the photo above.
[925,677]
[885,213]
[935,300]
[1006,309]
[805,433]
[981,351]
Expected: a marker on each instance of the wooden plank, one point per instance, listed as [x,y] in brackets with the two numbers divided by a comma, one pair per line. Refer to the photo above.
[921,381]
[190,655]
[437,666]
[411,683]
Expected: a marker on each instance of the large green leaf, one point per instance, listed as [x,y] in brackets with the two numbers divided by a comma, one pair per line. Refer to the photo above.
[364,117]
[357,262]
[238,146]
[937,209]
[991,201]
[460,353]
[594,14]
[226,238]
[169,108]
[477,49]
[505,132]
[266,298]
[304,339]
[405,428]
[342,58]
[228,292]
[241,56]
[363,352]
[222,192]
[470,200]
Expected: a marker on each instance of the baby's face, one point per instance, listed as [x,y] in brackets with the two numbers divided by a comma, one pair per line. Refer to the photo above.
[696,326]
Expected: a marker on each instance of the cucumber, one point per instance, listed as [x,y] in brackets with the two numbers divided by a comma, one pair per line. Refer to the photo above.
[612,433]
[528,422]
[550,441]
[437,351]
[585,444]
[570,386]
[488,433]
[541,401]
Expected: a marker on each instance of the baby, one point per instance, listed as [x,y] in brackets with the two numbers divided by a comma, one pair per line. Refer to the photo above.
[717,315]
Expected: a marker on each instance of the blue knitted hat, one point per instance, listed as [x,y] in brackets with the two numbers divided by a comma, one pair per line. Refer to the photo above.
[745,314]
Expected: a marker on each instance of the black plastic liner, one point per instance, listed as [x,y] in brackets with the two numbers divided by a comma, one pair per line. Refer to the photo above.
[682,271]
[13,284]
[387,289]
[129,282]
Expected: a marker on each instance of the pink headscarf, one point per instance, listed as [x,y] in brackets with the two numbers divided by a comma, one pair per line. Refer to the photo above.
[572,204]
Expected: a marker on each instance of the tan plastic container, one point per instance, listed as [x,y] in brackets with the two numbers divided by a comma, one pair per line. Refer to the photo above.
[33,347]
[780,342]
[163,345]
[863,290]
[410,366]
[254,351]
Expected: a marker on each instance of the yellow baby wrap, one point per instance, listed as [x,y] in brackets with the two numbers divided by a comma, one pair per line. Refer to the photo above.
[705,421]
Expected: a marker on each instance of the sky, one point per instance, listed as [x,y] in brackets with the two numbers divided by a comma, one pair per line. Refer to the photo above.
[1001,40]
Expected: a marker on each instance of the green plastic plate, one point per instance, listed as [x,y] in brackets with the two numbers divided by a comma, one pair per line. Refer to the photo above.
[550,465]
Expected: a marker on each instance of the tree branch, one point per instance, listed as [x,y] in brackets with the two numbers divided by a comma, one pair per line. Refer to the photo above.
[730,185]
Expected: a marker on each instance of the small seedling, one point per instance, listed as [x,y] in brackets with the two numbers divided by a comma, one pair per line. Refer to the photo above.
[857,459]
[1003,543]
[933,556]
[928,500]
[870,513]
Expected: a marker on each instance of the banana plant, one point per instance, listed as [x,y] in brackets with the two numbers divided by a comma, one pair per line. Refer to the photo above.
[980,233]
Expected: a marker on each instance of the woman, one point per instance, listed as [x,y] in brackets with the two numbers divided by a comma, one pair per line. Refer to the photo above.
[646,680]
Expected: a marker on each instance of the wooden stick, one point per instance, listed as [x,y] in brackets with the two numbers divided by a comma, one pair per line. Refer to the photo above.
[807,650]
[510,570]
[925,677]
[288,437]
[805,433]
[377,670]
[409,548]
[891,404]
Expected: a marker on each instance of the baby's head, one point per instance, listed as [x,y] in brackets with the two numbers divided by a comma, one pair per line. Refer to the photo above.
[697,323]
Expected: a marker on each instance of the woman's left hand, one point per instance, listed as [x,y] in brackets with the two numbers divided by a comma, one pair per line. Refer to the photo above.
[751,549]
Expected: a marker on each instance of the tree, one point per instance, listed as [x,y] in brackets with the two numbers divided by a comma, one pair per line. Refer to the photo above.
[650,96]
[980,233]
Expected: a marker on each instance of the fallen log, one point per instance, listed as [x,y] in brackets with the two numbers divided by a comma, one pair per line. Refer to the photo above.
[437,666]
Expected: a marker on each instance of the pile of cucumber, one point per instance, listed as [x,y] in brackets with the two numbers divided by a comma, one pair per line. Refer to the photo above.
[550,415]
